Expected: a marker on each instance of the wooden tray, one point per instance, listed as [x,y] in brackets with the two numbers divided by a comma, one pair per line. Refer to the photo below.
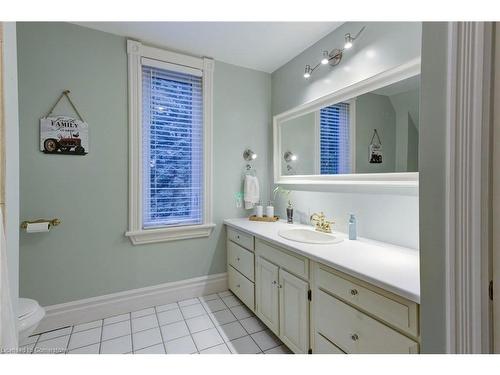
[264,218]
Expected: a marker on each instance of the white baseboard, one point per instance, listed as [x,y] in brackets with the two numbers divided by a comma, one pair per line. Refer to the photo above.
[89,309]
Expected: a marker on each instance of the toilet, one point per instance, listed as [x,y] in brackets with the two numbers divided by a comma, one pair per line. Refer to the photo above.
[30,315]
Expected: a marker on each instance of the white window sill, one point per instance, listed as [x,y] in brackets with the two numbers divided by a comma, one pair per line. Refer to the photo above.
[145,236]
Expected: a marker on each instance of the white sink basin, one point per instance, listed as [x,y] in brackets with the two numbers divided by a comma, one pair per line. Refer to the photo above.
[309,236]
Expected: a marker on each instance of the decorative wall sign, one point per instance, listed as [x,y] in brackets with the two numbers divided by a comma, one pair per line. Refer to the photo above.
[64,134]
[375,150]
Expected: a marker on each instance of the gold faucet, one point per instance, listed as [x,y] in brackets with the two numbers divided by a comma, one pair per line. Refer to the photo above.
[320,223]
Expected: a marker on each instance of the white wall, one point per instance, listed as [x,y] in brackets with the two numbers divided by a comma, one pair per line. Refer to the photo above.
[11,157]
[382,46]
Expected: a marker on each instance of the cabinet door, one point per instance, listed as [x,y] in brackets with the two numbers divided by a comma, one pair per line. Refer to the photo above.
[266,293]
[294,312]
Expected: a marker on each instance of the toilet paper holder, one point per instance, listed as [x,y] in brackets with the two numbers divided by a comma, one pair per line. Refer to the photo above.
[52,223]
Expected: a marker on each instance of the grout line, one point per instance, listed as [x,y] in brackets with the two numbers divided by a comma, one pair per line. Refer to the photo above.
[149,346]
[190,335]
[161,333]
[100,339]
[256,343]
[36,343]
[55,337]
[69,339]
[131,331]
[270,334]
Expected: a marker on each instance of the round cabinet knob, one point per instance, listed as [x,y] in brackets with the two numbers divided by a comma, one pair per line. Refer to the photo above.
[238,237]
[274,282]
[280,286]
[238,259]
[354,337]
[354,292]
[238,286]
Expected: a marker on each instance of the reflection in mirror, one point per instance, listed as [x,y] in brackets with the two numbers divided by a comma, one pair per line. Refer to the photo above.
[376,132]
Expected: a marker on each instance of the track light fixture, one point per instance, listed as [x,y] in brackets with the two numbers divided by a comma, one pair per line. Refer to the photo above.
[333,57]
[307,71]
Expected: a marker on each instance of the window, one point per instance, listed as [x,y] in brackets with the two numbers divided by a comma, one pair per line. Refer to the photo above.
[335,139]
[172,126]
[170,145]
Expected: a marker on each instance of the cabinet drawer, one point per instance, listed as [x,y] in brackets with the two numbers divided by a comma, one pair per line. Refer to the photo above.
[394,310]
[291,262]
[242,239]
[242,287]
[323,346]
[241,259]
[355,332]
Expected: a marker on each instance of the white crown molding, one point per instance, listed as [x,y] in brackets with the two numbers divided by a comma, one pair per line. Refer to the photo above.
[89,309]
[469,73]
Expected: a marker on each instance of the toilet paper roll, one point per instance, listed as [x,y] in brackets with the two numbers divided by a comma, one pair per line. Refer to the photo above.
[38,227]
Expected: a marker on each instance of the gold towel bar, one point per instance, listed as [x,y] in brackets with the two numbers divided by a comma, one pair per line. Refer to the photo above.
[53,222]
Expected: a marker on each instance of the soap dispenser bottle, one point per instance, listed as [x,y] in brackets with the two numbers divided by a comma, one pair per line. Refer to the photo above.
[289,213]
[352,227]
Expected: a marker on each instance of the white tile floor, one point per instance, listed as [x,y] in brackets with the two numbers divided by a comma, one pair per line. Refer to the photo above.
[213,324]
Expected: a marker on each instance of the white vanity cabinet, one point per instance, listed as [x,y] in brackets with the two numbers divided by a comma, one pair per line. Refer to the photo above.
[281,296]
[352,316]
[314,308]
[267,293]
[240,266]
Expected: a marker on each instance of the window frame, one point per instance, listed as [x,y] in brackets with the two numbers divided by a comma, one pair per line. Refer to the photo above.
[136,233]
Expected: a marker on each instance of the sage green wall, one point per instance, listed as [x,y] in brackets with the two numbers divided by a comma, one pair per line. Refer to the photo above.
[88,255]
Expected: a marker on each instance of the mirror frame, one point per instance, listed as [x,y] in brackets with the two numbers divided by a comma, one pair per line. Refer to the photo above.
[399,183]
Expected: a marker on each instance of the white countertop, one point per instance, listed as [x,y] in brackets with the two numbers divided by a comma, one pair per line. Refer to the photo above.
[393,268]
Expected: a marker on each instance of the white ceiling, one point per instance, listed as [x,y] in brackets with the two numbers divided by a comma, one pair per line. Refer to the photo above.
[263,46]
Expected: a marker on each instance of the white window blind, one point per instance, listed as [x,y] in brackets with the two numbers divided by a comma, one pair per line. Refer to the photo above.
[172,120]
[335,153]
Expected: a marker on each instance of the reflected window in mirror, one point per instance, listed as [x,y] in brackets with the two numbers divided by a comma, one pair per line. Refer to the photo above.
[335,129]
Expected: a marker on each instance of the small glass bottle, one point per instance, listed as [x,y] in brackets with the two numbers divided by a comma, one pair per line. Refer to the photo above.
[352,228]
[289,213]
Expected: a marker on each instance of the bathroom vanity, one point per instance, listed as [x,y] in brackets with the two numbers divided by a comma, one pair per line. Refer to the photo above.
[357,296]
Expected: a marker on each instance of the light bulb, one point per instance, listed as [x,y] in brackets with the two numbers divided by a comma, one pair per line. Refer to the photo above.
[307,72]
[348,41]
[326,57]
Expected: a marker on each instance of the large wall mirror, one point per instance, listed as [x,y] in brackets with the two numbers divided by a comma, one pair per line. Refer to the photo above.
[365,134]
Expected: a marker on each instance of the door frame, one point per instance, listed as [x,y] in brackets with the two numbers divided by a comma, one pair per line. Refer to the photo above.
[496,196]
[468,190]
